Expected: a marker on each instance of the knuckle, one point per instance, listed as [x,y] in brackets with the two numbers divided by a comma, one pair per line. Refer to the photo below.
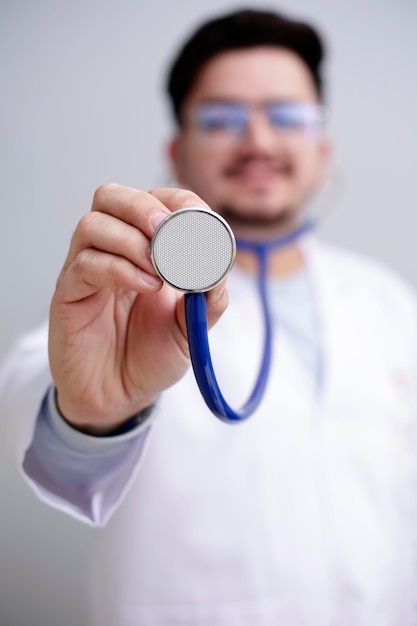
[137,206]
[137,201]
[162,192]
[87,224]
[101,192]
[156,191]
[82,262]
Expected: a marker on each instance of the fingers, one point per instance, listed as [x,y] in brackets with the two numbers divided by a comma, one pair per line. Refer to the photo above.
[108,234]
[217,300]
[176,199]
[143,210]
[111,245]
[93,270]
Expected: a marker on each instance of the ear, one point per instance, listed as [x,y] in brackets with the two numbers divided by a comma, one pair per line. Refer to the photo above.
[175,157]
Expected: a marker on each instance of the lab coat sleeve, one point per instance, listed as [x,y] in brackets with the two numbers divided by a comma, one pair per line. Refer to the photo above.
[24,379]
[109,464]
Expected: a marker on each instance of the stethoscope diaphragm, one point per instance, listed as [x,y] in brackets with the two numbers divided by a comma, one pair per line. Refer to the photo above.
[193,249]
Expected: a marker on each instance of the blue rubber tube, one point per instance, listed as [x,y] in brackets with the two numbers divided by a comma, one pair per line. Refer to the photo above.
[196,320]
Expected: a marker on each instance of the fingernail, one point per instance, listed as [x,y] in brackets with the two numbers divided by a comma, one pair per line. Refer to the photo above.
[151,279]
[156,218]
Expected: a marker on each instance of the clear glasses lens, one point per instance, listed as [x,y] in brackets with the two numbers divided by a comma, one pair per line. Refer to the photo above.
[212,117]
[293,115]
[232,117]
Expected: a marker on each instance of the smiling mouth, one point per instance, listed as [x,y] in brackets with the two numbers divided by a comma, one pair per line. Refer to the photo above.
[256,170]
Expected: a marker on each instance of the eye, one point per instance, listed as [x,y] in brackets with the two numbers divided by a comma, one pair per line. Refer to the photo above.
[211,120]
[216,117]
[294,115]
[286,116]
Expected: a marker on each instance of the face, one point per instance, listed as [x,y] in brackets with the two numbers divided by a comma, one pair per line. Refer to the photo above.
[258,178]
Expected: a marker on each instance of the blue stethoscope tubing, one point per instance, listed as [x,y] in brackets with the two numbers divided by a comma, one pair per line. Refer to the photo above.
[196,321]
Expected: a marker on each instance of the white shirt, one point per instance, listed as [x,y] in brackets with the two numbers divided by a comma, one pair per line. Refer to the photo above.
[65,461]
[304,514]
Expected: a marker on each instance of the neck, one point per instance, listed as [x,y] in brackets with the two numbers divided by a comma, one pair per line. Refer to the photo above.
[282,263]
[282,256]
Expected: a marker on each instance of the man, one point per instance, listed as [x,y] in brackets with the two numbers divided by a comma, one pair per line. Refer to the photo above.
[302,515]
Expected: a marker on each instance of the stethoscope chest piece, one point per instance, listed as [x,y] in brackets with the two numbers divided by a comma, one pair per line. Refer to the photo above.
[193,249]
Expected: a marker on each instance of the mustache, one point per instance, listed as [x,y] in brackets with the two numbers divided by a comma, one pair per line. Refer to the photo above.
[231,214]
[277,165]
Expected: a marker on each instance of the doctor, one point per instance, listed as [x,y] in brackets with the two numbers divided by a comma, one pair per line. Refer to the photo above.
[303,515]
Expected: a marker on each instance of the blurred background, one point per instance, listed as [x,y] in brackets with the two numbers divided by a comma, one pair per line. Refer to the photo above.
[82,103]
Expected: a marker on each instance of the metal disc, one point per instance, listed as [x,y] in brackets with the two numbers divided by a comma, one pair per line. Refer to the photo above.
[193,249]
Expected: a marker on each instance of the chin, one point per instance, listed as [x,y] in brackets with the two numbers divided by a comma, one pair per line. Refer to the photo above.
[258,201]
[262,221]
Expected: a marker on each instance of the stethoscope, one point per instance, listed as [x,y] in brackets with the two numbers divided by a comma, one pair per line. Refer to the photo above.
[193,250]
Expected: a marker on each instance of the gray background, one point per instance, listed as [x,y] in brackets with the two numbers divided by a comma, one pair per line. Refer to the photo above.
[82,104]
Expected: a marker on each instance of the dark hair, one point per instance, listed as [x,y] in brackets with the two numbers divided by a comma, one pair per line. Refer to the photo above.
[237,30]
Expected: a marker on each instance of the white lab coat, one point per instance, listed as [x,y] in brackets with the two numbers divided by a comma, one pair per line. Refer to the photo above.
[302,516]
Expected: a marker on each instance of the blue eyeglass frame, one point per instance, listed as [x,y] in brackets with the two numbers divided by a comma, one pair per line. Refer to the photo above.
[233,116]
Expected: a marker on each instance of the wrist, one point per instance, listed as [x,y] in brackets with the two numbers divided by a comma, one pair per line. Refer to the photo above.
[94,423]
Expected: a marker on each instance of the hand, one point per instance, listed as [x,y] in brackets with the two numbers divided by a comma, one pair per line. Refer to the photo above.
[117,335]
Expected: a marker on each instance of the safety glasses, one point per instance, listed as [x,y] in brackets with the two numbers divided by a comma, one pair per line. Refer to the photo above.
[230,117]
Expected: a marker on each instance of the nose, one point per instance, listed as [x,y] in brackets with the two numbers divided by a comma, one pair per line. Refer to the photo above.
[258,134]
